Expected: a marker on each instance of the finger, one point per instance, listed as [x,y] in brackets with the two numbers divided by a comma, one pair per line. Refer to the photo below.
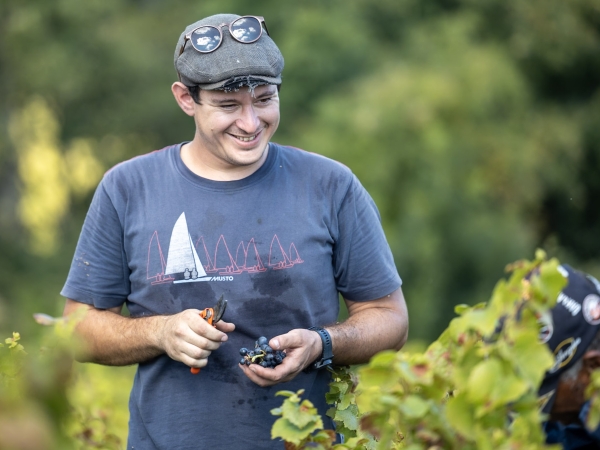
[196,363]
[208,341]
[269,376]
[292,339]
[192,361]
[195,353]
[202,328]
[225,327]
[259,375]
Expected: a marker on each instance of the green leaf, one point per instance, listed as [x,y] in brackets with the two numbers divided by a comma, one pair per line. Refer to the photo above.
[461,309]
[286,430]
[290,393]
[414,407]
[460,415]
[482,380]
[531,356]
[300,415]
[547,285]
[349,417]
[345,401]
[509,388]
[382,377]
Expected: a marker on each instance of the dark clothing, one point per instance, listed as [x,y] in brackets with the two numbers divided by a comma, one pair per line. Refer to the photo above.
[573,436]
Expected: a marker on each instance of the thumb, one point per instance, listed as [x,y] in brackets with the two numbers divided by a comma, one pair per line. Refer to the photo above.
[292,339]
[275,343]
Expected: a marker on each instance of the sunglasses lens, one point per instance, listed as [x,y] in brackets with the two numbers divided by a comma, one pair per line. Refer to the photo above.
[246,29]
[205,39]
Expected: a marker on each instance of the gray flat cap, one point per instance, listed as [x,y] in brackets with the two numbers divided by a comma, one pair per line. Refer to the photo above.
[233,64]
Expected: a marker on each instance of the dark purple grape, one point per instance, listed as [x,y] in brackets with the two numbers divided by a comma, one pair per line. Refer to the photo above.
[262,354]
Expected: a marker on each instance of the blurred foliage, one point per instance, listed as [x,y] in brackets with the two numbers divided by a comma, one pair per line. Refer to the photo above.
[99,412]
[48,402]
[474,125]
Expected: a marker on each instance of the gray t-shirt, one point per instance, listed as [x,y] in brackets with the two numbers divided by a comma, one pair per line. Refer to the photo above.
[280,245]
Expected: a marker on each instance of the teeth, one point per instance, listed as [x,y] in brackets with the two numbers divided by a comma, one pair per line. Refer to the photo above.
[246,139]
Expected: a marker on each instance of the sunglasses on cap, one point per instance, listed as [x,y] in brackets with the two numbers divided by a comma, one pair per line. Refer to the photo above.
[208,38]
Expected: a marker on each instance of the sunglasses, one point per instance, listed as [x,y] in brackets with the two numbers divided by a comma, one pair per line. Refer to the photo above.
[208,38]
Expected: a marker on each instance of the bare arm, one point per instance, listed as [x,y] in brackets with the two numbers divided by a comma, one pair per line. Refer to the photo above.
[112,339]
[371,327]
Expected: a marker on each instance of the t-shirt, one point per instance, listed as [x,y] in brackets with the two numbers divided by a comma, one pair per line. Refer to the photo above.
[280,245]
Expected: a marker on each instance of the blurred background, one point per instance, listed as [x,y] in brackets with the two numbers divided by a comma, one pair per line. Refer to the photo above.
[474,124]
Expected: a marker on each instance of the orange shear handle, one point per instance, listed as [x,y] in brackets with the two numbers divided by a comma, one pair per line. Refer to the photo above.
[207,314]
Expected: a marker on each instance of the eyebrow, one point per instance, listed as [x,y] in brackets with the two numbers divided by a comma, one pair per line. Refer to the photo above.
[221,101]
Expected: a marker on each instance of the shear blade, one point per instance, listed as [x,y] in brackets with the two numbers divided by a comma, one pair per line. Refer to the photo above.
[219,309]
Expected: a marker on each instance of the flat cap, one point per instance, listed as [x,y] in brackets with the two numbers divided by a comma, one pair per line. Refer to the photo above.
[233,64]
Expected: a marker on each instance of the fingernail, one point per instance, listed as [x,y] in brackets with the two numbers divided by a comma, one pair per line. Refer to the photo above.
[224,338]
[276,344]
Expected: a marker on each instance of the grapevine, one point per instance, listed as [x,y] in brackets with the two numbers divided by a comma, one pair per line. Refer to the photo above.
[474,388]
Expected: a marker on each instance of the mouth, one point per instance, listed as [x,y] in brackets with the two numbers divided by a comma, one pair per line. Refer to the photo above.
[246,138]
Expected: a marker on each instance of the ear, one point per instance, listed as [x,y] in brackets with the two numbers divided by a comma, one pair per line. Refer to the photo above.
[183,98]
[591,360]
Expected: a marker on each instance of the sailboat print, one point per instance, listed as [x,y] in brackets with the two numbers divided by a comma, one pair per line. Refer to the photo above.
[182,257]
[155,268]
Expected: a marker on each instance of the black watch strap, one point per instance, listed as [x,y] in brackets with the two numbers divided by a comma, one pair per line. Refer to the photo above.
[327,355]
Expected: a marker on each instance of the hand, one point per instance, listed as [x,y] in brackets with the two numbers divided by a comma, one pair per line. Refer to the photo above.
[302,347]
[188,338]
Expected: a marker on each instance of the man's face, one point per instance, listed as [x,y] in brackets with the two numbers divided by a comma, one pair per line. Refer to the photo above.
[234,128]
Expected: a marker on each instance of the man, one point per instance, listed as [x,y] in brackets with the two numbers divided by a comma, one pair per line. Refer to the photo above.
[573,336]
[277,231]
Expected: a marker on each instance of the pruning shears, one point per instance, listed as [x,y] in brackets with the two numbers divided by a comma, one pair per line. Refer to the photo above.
[212,316]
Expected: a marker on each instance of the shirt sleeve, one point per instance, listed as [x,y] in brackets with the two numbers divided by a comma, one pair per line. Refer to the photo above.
[363,262]
[99,274]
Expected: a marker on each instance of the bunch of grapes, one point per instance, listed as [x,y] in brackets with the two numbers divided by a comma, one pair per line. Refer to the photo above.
[262,354]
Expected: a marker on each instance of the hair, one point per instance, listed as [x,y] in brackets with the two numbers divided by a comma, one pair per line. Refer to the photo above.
[571,373]
[195,92]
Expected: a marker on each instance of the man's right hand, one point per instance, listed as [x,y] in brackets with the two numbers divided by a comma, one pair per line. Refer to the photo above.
[188,338]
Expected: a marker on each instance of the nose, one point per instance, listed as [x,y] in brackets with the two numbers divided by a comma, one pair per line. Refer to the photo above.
[248,121]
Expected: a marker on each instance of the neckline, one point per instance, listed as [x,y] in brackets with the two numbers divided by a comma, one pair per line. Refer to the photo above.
[214,185]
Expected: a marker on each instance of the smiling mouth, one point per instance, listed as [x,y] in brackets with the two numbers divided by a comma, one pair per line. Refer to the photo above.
[246,138]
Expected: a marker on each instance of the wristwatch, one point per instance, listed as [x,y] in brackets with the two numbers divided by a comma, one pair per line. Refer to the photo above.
[326,357]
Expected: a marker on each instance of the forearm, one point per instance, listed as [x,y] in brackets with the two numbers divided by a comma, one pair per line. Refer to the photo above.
[109,338]
[371,328]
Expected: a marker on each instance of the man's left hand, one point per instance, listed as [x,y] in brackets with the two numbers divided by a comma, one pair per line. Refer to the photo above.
[302,347]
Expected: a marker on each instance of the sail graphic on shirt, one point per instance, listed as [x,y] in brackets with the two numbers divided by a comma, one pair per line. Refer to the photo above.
[183,264]
[155,267]
[248,258]
[182,257]
[278,258]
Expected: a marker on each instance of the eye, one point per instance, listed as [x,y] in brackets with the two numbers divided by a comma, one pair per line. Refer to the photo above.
[228,106]
[265,100]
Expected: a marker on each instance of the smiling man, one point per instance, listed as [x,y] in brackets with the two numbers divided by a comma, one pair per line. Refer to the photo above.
[233,130]
[278,232]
